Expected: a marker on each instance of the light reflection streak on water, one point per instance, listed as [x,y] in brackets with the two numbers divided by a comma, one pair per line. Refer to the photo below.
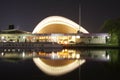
[52,54]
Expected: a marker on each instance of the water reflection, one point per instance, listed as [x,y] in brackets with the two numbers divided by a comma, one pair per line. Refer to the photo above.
[57,67]
[59,62]
[96,54]
[62,54]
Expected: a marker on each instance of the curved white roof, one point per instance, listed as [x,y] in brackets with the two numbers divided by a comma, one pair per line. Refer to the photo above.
[58,20]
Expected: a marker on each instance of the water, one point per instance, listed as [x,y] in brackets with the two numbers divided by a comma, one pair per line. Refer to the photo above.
[66,64]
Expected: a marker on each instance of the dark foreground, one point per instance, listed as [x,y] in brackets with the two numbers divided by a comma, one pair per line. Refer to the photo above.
[27,70]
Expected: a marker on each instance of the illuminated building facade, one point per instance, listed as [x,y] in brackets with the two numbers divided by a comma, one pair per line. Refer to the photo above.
[64,31]
[14,36]
[55,29]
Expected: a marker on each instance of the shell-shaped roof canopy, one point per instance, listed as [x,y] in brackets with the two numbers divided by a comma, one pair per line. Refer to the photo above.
[58,24]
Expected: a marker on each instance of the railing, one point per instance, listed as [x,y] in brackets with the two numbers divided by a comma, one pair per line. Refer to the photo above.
[29,45]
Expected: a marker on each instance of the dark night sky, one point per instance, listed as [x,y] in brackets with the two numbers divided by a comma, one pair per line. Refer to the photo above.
[26,14]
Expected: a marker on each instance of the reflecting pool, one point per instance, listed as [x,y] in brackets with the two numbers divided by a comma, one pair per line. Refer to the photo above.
[60,64]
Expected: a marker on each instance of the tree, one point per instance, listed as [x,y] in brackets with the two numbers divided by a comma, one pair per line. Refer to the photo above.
[112,26]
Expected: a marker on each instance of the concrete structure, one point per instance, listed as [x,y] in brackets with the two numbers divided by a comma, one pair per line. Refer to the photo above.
[54,29]
[64,31]
[14,35]
[68,38]
[58,24]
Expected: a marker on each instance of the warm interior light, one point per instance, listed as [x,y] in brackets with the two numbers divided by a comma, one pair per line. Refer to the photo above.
[49,23]
[57,70]
[58,24]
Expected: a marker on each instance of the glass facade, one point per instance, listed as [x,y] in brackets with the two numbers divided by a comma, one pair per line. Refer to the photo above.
[98,38]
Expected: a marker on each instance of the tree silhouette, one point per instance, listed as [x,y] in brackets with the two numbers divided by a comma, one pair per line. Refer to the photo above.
[112,26]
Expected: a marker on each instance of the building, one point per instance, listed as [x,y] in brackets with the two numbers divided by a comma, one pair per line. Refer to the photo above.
[55,29]
[64,31]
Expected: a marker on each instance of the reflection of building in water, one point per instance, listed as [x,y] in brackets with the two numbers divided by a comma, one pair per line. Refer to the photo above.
[67,30]
[63,54]
[59,63]
[17,55]
[100,54]
[55,29]
[57,55]
[57,67]
[96,55]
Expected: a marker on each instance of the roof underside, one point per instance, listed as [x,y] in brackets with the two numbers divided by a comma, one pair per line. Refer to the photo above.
[57,28]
